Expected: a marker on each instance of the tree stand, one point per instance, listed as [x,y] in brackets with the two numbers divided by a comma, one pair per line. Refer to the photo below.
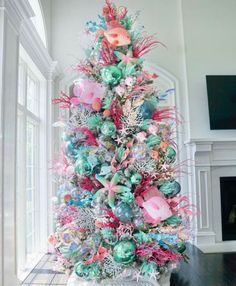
[163,281]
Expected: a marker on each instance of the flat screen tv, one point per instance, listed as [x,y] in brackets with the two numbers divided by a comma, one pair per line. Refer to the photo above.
[221,91]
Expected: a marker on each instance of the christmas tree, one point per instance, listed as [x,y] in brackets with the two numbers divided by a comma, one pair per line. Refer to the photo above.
[119,212]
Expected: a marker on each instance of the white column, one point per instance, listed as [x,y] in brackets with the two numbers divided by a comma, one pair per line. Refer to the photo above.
[12,13]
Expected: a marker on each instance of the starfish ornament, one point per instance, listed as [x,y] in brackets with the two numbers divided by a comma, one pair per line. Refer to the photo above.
[119,140]
[111,188]
[165,167]
[154,275]
[128,62]
[123,131]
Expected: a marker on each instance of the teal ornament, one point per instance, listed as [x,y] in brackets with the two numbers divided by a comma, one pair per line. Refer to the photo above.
[170,152]
[109,236]
[123,212]
[111,75]
[174,219]
[147,109]
[105,170]
[181,247]
[93,161]
[83,167]
[108,128]
[70,149]
[136,179]
[144,125]
[170,188]
[148,268]
[153,140]
[87,271]
[124,251]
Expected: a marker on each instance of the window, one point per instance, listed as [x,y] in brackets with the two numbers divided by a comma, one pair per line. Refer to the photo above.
[31,162]
[38,20]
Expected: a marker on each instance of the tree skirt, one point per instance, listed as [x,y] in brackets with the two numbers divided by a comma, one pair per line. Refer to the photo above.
[163,281]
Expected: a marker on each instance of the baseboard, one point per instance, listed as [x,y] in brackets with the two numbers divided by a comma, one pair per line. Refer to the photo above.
[220,247]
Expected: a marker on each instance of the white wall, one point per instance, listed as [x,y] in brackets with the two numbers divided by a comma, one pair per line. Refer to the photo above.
[200,40]
[209,32]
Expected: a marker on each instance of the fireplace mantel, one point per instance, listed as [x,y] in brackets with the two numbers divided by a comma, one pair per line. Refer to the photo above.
[210,160]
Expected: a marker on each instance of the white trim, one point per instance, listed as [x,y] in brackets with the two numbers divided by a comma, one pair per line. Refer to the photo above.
[34,46]
[12,14]
[17,11]
[213,158]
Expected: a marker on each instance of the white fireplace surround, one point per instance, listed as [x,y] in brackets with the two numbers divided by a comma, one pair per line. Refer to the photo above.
[210,160]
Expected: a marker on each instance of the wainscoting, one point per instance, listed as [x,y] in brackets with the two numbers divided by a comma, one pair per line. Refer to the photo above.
[217,269]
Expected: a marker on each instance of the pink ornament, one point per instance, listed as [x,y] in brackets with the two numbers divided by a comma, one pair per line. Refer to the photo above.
[141,137]
[52,239]
[155,206]
[153,129]
[129,81]
[119,90]
[87,91]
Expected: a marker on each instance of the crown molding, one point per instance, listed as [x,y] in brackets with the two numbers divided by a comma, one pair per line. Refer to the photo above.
[17,11]
[34,46]
[55,70]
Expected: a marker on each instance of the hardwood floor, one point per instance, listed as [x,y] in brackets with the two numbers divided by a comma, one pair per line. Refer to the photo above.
[218,269]
[203,270]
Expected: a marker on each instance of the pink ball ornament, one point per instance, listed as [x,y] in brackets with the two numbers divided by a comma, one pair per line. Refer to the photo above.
[88,91]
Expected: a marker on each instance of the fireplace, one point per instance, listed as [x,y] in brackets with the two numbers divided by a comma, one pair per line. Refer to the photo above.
[228,207]
[212,189]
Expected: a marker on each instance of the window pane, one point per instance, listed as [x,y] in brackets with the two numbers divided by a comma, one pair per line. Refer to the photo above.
[21,84]
[31,130]
[32,95]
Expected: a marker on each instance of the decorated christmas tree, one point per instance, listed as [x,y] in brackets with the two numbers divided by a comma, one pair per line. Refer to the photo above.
[119,213]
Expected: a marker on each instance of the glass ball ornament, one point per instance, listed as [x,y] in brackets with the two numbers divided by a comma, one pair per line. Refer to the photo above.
[111,75]
[170,188]
[123,212]
[108,128]
[153,140]
[70,149]
[181,247]
[138,223]
[170,152]
[147,109]
[136,179]
[124,251]
[83,167]
[88,271]
[139,151]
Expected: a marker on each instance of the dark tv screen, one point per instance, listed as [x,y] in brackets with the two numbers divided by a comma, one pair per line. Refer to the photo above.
[221,91]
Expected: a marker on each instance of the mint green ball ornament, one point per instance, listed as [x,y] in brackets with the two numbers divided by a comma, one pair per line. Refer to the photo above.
[111,75]
[108,128]
[87,271]
[124,251]
[153,140]
[136,179]
[170,152]
[83,167]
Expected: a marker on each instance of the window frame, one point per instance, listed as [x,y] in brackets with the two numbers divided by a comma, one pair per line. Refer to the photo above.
[25,117]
